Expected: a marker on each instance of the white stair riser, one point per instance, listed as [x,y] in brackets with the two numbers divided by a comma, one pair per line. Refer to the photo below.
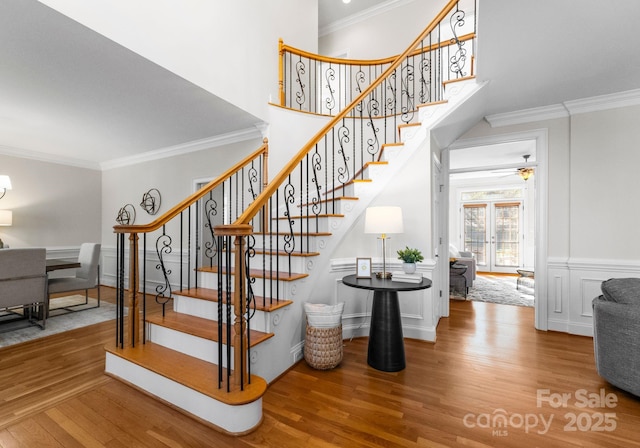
[210,281]
[205,349]
[209,310]
[195,346]
[304,223]
[236,419]
[390,152]
[338,206]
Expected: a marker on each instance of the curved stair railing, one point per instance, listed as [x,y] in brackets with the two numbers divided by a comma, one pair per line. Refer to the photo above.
[282,222]
[266,226]
[190,229]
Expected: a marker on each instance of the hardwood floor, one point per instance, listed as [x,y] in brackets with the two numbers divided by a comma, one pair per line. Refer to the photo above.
[488,362]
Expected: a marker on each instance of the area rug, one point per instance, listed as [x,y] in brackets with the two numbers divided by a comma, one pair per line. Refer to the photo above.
[60,319]
[501,290]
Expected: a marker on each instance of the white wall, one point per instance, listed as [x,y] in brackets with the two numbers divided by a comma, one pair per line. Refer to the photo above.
[228,48]
[174,177]
[54,206]
[381,35]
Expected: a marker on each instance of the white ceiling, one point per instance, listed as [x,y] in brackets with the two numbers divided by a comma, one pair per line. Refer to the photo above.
[71,95]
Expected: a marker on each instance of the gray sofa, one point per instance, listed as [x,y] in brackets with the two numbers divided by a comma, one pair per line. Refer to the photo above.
[23,280]
[616,333]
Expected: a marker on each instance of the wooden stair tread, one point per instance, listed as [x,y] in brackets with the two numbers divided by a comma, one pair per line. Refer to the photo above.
[258,273]
[191,372]
[433,103]
[202,328]
[283,253]
[212,296]
[408,125]
[324,215]
[464,78]
[338,198]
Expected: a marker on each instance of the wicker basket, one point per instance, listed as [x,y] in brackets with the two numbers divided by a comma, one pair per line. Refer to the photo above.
[323,347]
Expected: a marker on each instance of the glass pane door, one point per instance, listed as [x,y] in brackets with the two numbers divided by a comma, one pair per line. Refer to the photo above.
[475,231]
[506,237]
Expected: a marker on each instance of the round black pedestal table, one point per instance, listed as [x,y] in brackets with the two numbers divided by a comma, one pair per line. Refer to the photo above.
[386,343]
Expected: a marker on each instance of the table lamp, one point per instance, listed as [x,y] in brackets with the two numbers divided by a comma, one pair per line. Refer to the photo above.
[383,220]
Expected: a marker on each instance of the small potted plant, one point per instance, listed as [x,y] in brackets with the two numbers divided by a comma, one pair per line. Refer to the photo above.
[409,257]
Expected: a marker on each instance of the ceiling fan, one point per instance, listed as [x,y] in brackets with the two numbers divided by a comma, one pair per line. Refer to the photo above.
[524,172]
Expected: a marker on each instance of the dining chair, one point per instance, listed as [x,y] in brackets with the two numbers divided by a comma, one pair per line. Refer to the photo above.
[87,276]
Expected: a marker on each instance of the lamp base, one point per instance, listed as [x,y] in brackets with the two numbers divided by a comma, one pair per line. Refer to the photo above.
[386,275]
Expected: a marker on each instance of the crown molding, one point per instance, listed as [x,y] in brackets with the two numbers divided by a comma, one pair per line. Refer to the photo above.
[567,109]
[185,148]
[43,157]
[604,102]
[362,15]
[527,115]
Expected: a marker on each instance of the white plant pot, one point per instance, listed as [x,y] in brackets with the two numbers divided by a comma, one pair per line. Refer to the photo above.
[409,268]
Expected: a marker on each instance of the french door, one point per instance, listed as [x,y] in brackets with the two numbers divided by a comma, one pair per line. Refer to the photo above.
[492,231]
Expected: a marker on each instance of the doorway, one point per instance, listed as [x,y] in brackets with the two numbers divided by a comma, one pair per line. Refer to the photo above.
[483,157]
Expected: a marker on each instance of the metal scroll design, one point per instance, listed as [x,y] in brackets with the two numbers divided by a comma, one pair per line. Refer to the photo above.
[300,71]
[316,166]
[343,139]
[210,211]
[126,215]
[407,105]
[459,58]
[289,200]
[252,176]
[163,248]
[391,96]
[330,101]
[373,110]
[424,95]
[151,201]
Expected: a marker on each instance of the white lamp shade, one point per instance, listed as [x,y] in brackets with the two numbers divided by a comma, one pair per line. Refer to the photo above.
[383,220]
[6,217]
[5,182]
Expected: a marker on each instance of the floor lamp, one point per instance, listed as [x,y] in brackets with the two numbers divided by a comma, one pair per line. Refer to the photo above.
[383,220]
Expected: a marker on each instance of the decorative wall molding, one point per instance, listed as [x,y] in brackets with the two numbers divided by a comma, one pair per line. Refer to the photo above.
[574,283]
[185,148]
[527,116]
[566,109]
[42,157]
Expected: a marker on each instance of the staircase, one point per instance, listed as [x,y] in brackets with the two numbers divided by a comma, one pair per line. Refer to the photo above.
[222,337]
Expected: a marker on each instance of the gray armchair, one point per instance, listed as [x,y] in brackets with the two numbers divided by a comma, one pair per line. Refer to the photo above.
[87,275]
[23,281]
[467,259]
[616,333]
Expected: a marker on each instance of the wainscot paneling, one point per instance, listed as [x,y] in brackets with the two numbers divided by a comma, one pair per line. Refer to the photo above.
[572,286]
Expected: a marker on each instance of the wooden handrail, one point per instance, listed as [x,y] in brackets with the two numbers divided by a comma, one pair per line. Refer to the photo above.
[317,57]
[182,206]
[263,197]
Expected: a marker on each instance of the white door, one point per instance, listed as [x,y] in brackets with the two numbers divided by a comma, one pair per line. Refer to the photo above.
[493,233]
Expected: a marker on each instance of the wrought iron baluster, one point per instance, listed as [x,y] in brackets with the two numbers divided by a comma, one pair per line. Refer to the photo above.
[458,60]
[163,247]
[300,94]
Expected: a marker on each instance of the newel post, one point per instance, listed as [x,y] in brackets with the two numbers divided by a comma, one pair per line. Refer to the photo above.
[240,291]
[133,332]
